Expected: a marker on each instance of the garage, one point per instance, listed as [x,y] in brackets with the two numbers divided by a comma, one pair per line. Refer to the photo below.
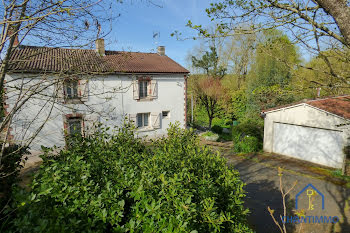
[322,146]
[313,130]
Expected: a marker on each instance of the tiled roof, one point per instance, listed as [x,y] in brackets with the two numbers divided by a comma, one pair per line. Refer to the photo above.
[339,105]
[142,63]
[45,59]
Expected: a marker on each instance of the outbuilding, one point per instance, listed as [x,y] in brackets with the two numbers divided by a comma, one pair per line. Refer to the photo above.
[313,130]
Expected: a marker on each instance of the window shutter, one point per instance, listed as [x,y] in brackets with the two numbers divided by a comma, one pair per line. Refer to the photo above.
[91,122]
[136,90]
[59,90]
[153,88]
[83,89]
[155,118]
[133,119]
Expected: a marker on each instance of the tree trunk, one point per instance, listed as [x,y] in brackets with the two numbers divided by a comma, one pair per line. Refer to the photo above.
[210,120]
[339,10]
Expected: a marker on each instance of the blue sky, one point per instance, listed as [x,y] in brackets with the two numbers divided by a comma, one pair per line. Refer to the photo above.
[133,31]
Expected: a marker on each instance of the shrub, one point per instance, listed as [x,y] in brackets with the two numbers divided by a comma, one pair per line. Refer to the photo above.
[246,144]
[216,129]
[249,127]
[248,136]
[114,183]
[9,170]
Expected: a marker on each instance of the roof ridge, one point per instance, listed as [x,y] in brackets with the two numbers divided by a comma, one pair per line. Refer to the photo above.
[119,51]
[327,97]
[46,47]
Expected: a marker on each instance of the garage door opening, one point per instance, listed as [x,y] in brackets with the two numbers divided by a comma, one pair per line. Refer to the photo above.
[322,146]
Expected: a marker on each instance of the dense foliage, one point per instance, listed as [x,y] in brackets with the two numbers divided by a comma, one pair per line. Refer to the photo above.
[12,161]
[115,183]
[248,136]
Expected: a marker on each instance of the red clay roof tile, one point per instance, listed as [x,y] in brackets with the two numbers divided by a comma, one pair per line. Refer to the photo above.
[339,105]
[45,59]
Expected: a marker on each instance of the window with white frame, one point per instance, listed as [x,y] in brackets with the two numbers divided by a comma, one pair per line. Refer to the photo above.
[143,86]
[143,120]
[71,89]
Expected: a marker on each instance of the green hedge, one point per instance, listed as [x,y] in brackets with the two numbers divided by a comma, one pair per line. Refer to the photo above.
[114,183]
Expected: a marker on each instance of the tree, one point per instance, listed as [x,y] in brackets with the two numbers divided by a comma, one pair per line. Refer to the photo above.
[209,62]
[271,74]
[64,23]
[316,25]
[209,89]
[306,81]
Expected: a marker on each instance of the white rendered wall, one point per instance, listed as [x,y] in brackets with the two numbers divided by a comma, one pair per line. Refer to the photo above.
[110,98]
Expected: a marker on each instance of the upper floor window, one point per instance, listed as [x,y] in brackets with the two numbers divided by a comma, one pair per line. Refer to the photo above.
[71,89]
[143,89]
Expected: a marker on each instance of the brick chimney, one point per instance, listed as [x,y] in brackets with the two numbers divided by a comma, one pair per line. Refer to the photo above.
[161,50]
[16,41]
[100,46]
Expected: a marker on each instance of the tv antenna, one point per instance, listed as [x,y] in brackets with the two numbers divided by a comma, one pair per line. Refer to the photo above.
[156,37]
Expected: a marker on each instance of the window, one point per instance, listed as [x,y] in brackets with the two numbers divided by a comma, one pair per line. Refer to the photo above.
[142,120]
[143,89]
[166,114]
[75,126]
[71,89]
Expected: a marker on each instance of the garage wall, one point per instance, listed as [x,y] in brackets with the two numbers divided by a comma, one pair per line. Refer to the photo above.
[303,115]
[322,146]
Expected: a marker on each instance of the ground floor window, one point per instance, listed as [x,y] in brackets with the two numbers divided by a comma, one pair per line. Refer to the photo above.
[75,126]
[143,120]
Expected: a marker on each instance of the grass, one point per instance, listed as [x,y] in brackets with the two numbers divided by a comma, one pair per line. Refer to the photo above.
[208,134]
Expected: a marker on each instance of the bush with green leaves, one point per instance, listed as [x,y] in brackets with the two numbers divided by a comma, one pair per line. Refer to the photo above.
[117,183]
[217,129]
[11,163]
[246,144]
[248,136]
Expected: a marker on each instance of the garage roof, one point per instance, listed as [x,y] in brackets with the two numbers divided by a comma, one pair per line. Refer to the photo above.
[339,105]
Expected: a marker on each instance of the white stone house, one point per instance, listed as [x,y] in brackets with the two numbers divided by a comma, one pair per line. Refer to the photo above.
[73,89]
[313,130]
